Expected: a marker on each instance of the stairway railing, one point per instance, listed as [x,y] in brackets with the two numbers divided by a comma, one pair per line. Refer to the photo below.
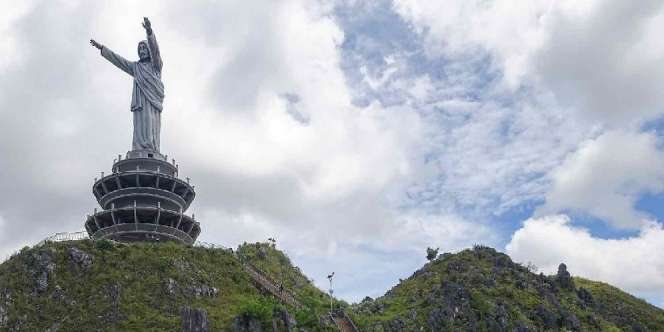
[269,285]
[65,236]
[342,321]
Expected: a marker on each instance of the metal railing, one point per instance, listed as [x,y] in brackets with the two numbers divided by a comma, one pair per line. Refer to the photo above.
[83,235]
[342,321]
[65,236]
[210,245]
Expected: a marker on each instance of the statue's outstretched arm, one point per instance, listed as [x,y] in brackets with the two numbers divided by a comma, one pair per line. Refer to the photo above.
[155,55]
[120,62]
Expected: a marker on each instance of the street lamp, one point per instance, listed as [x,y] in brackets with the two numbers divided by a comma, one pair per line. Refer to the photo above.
[329,277]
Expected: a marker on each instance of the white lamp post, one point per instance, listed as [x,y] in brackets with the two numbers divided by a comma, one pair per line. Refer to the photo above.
[329,277]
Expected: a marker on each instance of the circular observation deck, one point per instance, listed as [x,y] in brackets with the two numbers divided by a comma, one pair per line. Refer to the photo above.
[143,200]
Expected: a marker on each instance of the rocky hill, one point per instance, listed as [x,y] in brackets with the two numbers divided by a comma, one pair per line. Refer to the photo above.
[483,290]
[105,286]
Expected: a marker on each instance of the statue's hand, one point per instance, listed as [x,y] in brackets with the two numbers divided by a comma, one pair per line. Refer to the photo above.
[95,44]
[147,25]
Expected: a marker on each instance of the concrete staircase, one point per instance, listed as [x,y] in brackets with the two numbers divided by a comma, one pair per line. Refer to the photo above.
[270,286]
[339,317]
[342,321]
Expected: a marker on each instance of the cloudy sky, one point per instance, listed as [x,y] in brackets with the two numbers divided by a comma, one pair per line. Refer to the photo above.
[357,133]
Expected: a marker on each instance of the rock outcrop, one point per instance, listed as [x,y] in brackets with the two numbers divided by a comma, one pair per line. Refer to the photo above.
[564,278]
[80,258]
[194,320]
[246,323]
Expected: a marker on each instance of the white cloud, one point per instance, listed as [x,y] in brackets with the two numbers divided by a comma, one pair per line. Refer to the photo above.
[610,72]
[8,47]
[605,177]
[487,148]
[632,264]
[369,265]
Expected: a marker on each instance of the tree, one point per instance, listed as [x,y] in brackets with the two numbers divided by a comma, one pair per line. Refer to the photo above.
[432,253]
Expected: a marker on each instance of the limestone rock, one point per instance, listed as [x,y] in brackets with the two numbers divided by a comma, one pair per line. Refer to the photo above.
[262,252]
[80,258]
[202,291]
[564,278]
[5,298]
[501,318]
[54,328]
[171,287]
[182,266]
[522,327]
[453,304]
[586,297]
[283,321]
[41,266]
[194,320]
[3,316]
[246,323]
[195,291]
[569,321]
[548,318]
[113,294]
[397,324]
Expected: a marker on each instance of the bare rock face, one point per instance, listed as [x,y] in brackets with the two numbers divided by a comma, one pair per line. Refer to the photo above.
[113,294]
[452,303]
[171,287]
[262,252]
[3,316]
[80,258]
[54,328]
[564,278]
[202,291]
[194,320]
[569,321]
[193,291]
[548,318]
[41,266]
[586,297]
[246,323]
[283,321]
[5,297]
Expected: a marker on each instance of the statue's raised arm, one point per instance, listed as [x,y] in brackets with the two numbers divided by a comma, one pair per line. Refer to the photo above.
[155,55]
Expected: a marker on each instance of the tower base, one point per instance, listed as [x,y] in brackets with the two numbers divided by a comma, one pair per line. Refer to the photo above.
[143,200]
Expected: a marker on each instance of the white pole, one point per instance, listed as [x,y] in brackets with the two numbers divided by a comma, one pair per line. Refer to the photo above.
[331,290]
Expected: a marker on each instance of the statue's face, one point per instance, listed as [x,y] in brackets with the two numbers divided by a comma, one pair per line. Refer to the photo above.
[143,51]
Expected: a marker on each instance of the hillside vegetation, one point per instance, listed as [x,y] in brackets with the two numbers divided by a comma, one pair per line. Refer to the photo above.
[106,286]
[483,290]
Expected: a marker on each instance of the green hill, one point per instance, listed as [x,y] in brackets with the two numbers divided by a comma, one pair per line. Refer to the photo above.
[483,290]
[105,286]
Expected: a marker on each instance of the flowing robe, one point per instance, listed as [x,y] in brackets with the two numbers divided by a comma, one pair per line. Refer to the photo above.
[147,95]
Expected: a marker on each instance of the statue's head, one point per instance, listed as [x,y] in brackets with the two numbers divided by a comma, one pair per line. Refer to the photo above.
[143,50]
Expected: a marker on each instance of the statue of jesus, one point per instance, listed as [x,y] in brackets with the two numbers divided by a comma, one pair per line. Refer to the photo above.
[148,92]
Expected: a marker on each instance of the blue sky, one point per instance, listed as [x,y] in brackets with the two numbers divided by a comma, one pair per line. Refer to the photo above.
[357,133]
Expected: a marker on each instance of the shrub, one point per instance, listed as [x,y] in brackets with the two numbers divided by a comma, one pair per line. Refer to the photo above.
[104,244]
